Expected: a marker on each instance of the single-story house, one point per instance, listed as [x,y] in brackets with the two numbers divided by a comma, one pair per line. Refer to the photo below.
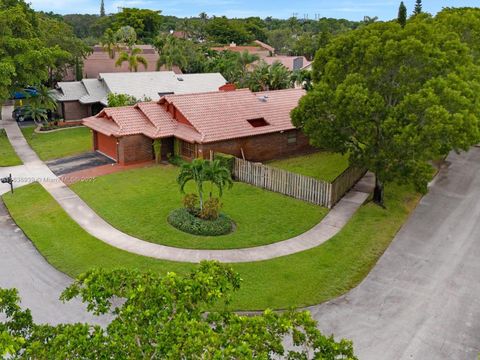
[99,61]
[80,99]
[290,62]
[255,126]
[257,48]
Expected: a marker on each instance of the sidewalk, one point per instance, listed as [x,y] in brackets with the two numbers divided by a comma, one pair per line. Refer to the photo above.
[81,213]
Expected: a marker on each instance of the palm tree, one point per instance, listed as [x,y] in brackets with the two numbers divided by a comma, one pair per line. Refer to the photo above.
[38,113]
[279,77]
[245,59]
[133,58]
[218,175]
[109,43]
[194,171]
[201,171]
[45,98]
[171,53]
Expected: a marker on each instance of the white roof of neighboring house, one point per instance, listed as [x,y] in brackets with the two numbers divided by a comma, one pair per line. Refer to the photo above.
[140,85]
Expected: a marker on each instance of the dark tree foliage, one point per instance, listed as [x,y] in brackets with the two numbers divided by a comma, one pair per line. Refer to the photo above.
[164,317]
[418,7]
[402,14]
[395,98]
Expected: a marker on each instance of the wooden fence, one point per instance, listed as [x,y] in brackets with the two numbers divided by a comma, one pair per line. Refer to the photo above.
[295,185]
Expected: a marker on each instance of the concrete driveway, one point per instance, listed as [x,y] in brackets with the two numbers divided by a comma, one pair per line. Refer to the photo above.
[422,300]
[39,284]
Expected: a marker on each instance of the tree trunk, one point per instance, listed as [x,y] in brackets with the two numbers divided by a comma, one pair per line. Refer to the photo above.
[200,195]
[378,197]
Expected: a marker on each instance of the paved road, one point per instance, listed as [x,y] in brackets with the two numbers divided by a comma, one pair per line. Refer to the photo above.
[422,300]
[39,284]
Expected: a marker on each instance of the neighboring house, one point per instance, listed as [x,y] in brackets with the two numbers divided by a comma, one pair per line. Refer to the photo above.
[80,99]
[255,126]
[261,49]
[290,62]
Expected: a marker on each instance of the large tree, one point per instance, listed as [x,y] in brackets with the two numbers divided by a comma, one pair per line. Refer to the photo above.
[393,98]
[402,14]
[164,317]
[26,57]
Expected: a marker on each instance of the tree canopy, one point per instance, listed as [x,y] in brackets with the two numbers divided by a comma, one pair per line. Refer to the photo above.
[164,317]
[27,55]
[394,98]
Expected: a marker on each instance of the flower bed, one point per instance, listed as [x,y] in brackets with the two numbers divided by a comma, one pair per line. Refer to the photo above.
[184,221]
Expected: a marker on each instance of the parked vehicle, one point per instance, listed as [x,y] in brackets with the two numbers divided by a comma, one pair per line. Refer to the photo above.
[29,91]
[20,114]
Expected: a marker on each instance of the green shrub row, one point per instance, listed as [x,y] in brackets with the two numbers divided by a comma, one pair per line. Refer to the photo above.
[186,222]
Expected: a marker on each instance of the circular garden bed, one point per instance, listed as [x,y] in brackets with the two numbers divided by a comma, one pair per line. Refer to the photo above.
[184,221]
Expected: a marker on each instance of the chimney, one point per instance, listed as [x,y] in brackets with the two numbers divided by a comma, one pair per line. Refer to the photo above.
[227,87]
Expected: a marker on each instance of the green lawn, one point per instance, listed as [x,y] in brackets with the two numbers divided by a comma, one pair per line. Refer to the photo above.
[59,144]
[321,165]
[8,157]
[138,202]
[297,280]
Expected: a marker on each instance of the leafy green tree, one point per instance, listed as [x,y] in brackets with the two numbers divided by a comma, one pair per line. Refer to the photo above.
[227,63]
[171,52]
[303,78]
[418,7]
[164,317]
[393,115]
[127,36]
[269,77]
[224,31]
[402,14]
[117,100]
[133,58]
[145,22]
[109,43]
[25,57]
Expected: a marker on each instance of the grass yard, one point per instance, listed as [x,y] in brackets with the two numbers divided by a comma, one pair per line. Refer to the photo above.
[297,280]
[8,157]
[59,144]
[138,202]
[321,165]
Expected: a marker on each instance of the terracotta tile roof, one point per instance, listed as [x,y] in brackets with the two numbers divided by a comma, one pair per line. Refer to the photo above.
[214,116]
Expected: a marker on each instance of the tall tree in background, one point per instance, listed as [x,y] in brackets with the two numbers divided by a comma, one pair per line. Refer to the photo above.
[418,7]
[171,53]
[402,14]
[26,57]
[133,58]
[393,115]
[102,8]
[109,43]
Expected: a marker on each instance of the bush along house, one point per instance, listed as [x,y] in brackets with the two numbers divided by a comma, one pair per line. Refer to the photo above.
[253,126]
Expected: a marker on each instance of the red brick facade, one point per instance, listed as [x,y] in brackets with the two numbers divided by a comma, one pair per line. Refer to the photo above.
[134,148]
[262,147]
[74,110]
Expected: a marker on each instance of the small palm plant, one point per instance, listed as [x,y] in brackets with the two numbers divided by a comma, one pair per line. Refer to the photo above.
[201,171]
[109,43]
[133,58]
[38,113]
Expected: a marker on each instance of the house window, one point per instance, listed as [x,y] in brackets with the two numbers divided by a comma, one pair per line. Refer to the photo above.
[292,138]
[259,122]
[188,149]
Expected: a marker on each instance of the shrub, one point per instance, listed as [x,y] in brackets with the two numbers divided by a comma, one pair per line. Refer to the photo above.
[226,160]
[211,209]
[175,160]
[189,223]
[190,203]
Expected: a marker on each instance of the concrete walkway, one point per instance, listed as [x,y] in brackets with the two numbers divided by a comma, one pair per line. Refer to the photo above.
[80,212]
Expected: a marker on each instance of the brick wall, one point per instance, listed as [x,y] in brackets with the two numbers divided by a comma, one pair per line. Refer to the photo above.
[135,148]
[262,147]
[74,110]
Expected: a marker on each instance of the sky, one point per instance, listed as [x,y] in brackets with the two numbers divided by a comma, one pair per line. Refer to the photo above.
[348,9]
